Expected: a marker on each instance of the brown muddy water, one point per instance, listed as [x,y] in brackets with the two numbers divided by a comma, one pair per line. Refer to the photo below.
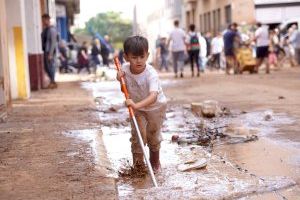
[236,168]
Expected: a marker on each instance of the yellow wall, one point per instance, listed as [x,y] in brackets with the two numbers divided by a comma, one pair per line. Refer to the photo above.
[20,62]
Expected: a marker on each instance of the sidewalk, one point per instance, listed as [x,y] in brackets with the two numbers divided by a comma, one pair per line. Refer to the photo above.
[46,149]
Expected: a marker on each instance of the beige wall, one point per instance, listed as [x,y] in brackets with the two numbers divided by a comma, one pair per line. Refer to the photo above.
[4,62]
[243,12]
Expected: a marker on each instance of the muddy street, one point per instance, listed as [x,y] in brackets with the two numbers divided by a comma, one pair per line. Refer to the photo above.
[253,152]
[75,143]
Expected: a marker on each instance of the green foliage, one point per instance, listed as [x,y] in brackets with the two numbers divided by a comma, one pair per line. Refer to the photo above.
[111,24]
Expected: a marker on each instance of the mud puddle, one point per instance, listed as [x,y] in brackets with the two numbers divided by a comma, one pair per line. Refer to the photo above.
[225,177]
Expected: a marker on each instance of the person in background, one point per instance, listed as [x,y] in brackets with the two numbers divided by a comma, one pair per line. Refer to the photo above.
[193,45]
[63,56]
[49,46]
[262,46]
[273,49]
[83,59]
[295,42]
[203,52]
[178,48]
[121,56]
[105,50]
[208,39]
[272,57]
[230,37]
[96,49]
[163,53]
[217,45]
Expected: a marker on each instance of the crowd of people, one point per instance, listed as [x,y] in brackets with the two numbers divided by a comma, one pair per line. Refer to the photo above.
[231,50]
[85,56]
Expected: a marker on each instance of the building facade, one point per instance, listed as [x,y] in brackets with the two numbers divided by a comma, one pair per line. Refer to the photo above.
[216,15]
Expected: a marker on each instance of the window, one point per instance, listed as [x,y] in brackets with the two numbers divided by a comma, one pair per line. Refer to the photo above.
[219,19]
[215,21]
[201,23]
[209,21]
[228,19]
[205,23]
[187,19]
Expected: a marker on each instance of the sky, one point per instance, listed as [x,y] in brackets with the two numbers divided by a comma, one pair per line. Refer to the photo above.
[90,8]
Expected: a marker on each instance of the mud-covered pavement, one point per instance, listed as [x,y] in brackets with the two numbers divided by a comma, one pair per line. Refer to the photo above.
[51,148]
[267,168]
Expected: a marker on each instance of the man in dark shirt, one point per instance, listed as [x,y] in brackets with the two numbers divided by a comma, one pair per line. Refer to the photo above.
[49,45]
[163,50]
[105,51]
[230,37]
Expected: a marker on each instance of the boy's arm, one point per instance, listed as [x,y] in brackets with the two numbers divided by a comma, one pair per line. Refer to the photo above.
[144,103]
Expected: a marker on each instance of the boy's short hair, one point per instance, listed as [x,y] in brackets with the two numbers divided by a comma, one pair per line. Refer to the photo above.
[136,45]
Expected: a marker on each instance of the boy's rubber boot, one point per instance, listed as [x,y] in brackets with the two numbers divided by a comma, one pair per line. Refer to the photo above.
[154,160]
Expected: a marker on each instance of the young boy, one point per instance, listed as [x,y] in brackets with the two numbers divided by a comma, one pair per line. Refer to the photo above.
[146,98]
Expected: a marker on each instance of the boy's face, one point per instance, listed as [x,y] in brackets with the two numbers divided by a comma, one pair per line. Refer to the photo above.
[137,63]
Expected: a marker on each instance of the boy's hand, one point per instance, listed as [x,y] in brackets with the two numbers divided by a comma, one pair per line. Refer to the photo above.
[129,102]
[120,74]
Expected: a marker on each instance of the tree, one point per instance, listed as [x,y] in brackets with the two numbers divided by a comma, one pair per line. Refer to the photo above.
[110,23]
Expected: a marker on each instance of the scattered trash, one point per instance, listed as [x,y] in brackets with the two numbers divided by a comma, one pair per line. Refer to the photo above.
[196,109]
[209,109]
[225,111]
[236,129]
[192,165]
[241,139]
[175,138]
[98,100]
[268,115]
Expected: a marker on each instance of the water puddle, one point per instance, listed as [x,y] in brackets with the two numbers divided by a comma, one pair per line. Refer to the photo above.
[222,178]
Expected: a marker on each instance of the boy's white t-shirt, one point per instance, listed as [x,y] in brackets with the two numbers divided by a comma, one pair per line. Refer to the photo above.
[140,85]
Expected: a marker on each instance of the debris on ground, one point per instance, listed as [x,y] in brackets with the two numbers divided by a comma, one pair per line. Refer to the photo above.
[192,165]
[241,139]
[268,115]
[98,100]
[233,129]
[208,108]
